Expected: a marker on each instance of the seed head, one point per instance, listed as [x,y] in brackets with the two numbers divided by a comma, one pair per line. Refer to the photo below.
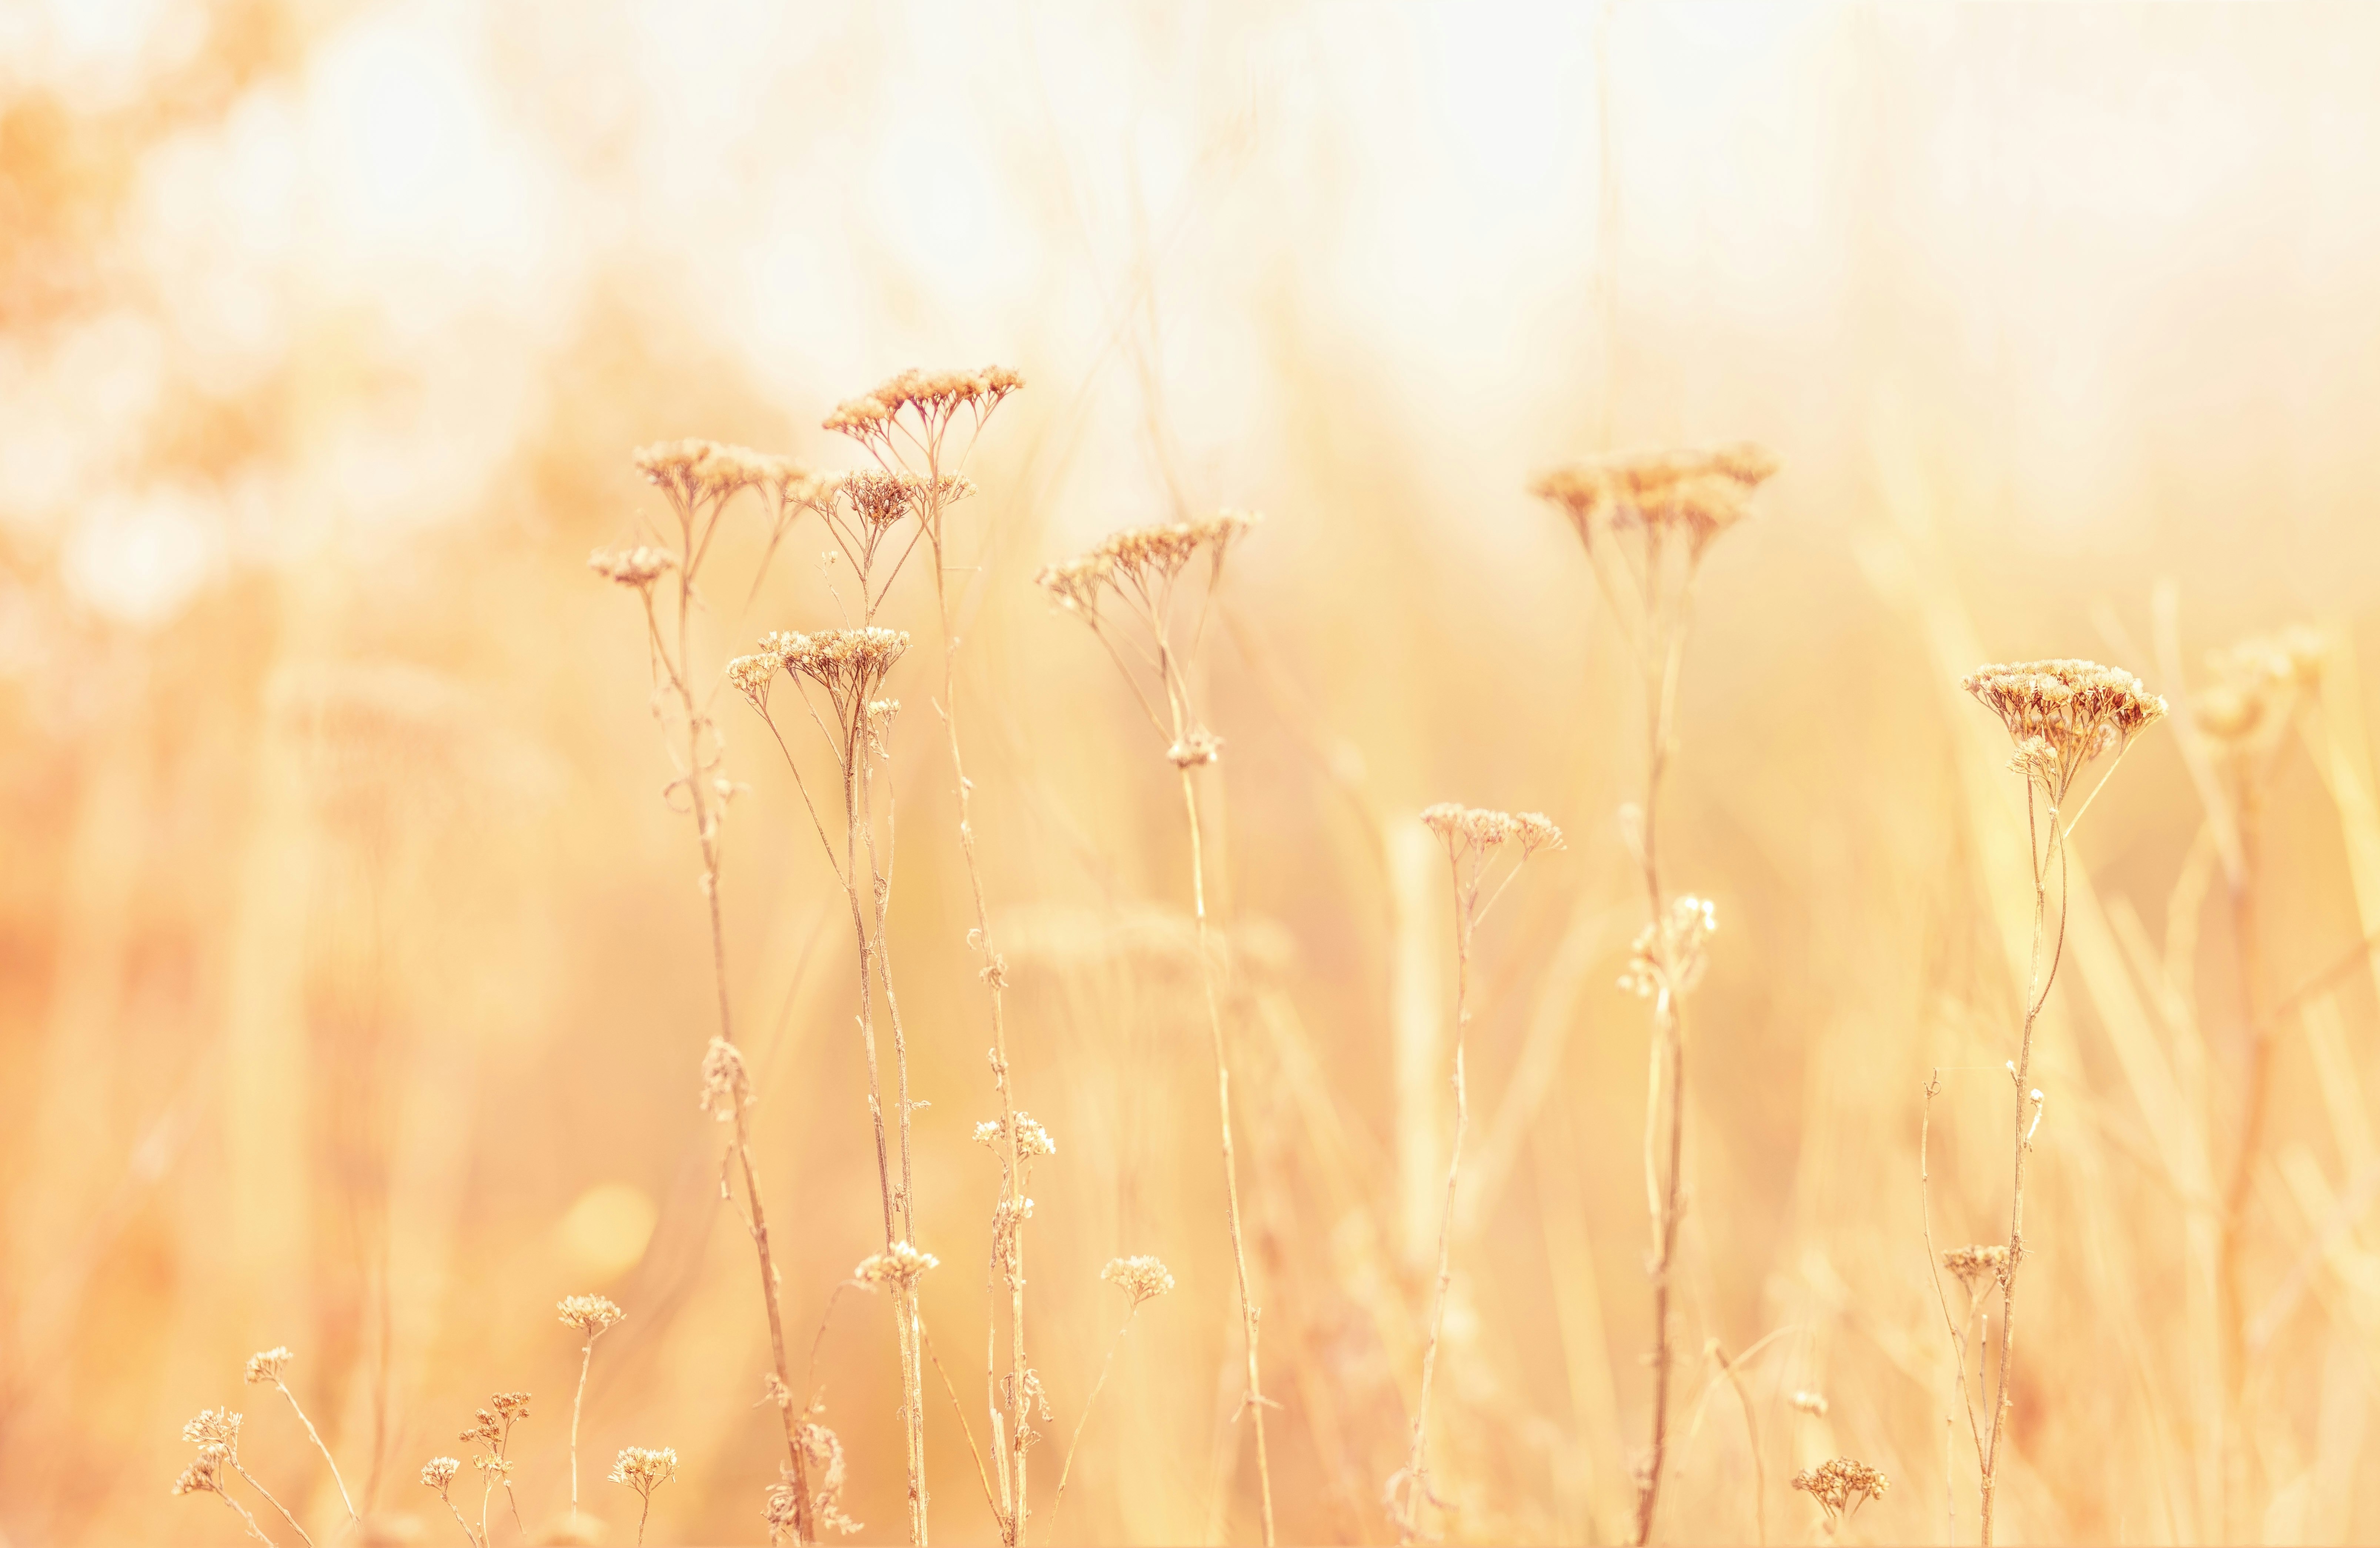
[932,396]
[439,1473]
[204,1475]
[1673,957]
[2061,714]
[1694,495]
[725,1088]
[694,472]
[591,1315]
[634,568]
[1480,828]
[1973,1267]
[265,1365]
[512,1406]
[1840,1486]
[1142,1278]
[643,1469]
[899,1265]
[214,1427]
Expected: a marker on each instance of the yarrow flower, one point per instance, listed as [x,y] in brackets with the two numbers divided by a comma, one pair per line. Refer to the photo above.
[1840,1487]
[692,472]
[1143,558]
[1031,1138]
[440,1472]
[1484,830]
[635,568]
[932,396]
[643,1469]
[214,1427]
[899,1265]
[1693,494]
[1973,1266]
[1142,1278]
[2061,714]
[591,1315]
[265,1365]
[1673,957]
[725,1088]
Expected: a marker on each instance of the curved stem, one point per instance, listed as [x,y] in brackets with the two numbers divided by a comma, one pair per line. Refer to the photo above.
[345,1499]
[1066,1469]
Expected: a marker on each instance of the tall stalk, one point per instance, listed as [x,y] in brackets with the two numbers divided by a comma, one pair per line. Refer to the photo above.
[1474,837]
[1138,571]
[1646,519]
[699,478]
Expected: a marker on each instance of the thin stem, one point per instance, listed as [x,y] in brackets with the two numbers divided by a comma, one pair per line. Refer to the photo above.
[1669,1048]
[1066,1469]
[328,1460]
[1416,1480]
[1255,1403]
[994,975]
[1752,1437]
[981,1475]
[267,1493]
[586,1358]
[457,1509]
[644,1516]
[2247,947]
[241,1511]
[2003,1395]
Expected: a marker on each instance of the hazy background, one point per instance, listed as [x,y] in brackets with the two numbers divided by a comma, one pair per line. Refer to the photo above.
[352,971]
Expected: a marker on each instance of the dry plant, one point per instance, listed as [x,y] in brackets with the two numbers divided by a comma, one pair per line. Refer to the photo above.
[1646,519]
[644,1469]
[2061,715]
[493,1431]
[592,1316]
[1128,590]
[1474,840]
[1142,1280]
[847,670]
[920,426]
[699,478]
[1840,1487]
[264,1367]
[438,1477]
[215,1432]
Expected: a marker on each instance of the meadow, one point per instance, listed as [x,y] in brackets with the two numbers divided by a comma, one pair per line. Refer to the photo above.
[1284,773]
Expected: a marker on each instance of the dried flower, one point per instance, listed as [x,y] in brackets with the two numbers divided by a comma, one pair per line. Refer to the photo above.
[692,472]
[485,1429]
[636,568]
[512,1406]
[440,1472]
[1672,959]
[2062,714]
[1811,1403]
[1483,830]
[932,397]
[214,1427]
[2257,684]
[725,1087]
[591,1315]
[1142,1278]
[265,1365]
[1840,1486]
[899,1265]
[1031,1138]
[204,1475]
[643,1469]
[822,1449]
[1694,494]
[1974,1265]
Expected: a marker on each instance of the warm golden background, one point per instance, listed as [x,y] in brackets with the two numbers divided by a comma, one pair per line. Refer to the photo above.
[353,977]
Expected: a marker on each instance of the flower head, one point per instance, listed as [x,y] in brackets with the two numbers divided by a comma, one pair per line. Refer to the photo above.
[214,1427]
[204,1475]
[693,472]
[265,1365]
[1672,958]
[1142,1278]
[900,1265]
[725,1088]
[2256,685]
[1975,1266]
[2062,714]
[439,1473]
[634,568]
[1841,1486]
[643,1469]
[591,1315]
[932,397]
[1694,495]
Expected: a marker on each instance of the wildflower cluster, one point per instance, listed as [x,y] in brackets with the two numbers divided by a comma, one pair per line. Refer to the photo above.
[695,472]
[2254,686]
[591,1315]
[1671,960]
[1477,828]
[932,398]
[1840,1487]
[2061,714]
[1975,1266]
[1140,561]
[634,568]
[1694,495]
[900,1265]
[1142,1278]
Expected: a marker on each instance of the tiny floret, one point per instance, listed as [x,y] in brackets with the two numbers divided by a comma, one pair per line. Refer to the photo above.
[265,1365]
[1142,1278]
[900,1265]
[591,1315]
